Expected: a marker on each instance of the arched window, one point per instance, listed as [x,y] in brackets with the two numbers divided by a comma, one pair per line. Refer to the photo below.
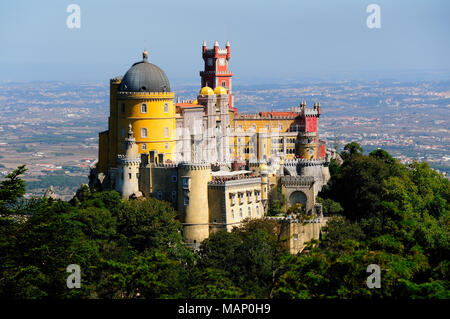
[144,108]
[249,211]
[143,132]
[166,132]
[232,213]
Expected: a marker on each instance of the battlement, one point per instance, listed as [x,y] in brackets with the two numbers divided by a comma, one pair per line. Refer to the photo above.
[268,115]
[166,165]
[307,134]
[116,80]
[293,181]
[123,159]
[147,95]
[195,166]
[234,181]
[292,220]
[311,112]
[303,162]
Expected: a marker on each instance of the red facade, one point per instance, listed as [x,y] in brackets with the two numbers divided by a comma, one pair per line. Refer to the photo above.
[216,71]
[311,124]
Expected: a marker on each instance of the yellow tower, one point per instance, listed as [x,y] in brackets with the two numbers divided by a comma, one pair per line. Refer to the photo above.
[142,98]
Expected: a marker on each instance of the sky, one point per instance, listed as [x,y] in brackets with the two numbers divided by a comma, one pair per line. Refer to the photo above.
[271,40]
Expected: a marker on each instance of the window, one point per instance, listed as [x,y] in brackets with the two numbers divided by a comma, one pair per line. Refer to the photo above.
[232,213]
[224,83]
[295,236]
[143,132]
[166,107]
[241,198]
[166,146]
[122,132]
[144,108]
[174,178]
[186,200]
[254,127]
[280,127]
[240,212]
[174,195]
[267,127]
[166,132]
[144,146]
[249,212]
[240,127]
[129,175]
[122,107]
[233,199]
[257,210]
[159,195]
[185,182]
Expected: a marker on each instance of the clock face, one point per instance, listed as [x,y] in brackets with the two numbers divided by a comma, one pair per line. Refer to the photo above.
[210,61]
[222,61]
[311,151]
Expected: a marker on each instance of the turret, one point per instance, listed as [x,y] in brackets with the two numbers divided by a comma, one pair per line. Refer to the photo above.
[228,50]
[216,47]
[127,179]
[204,47]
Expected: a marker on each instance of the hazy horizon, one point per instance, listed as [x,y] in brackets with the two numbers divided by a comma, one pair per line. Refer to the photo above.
[270,41]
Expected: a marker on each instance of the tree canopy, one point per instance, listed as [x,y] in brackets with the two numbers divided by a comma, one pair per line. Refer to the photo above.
[379,212]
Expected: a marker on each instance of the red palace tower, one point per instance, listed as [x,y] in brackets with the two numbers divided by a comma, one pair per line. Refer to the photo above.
[216,71]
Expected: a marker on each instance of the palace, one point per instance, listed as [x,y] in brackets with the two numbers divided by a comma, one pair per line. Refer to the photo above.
[216,166]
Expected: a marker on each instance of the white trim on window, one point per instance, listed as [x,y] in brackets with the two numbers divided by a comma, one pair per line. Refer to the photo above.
[144,132]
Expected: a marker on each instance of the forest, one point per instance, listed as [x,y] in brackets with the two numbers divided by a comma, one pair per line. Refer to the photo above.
[381,212]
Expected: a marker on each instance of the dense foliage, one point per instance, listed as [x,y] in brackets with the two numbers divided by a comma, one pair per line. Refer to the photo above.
[383,213]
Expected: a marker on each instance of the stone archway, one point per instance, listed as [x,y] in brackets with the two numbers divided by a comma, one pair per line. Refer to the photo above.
[298,197]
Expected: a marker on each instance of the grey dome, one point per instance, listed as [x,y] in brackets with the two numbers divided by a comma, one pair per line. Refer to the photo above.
[145,77]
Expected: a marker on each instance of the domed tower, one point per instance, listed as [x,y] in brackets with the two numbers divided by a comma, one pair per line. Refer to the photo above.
[127,176]
[144,99]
